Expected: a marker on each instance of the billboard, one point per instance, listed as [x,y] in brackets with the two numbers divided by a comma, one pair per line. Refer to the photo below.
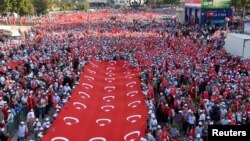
[193,1]
[215,4]
[247,27]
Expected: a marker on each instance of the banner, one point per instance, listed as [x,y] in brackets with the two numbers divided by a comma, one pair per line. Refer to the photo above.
[193,1]
[107,105]
[246,27]
[215,4]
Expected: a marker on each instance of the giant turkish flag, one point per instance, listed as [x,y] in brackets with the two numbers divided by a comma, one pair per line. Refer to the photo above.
[107,105]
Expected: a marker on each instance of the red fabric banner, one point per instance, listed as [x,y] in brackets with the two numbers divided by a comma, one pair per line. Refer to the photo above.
[193,1]
[14,64]
[107,105]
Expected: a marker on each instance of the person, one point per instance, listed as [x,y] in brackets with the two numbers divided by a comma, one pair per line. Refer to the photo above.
[36,127]
[10,122]
[150,136]
[224,121]
[158,133]
[198,138]
[3,135]
[191,120]
[175,134]
[22,131]
[198,129]
[30,119]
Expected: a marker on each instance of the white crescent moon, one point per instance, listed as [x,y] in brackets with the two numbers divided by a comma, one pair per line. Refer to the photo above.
[109,88]
[108,97]
[125,65]
[110,74]
[131,104]
[89,78]
[103,119]
[87,86]
[109,79]
[72,118]
[137,69]
[91,71]
[129,76]
[59,138]
[107,108]
[133,116]
[112,62]
[132,93]
[93,65]
[84,95]
[97,139]
[130,84]
[127,72]
[79,103]
[110,69]
[131,133]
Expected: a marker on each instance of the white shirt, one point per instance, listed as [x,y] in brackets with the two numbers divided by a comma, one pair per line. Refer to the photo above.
[2,80]
[1,104]
[191,119]
[153,124]
[30,116]
[21,130]
[239,116]
[10,118]
[223,111]
[24,99]
[202,117]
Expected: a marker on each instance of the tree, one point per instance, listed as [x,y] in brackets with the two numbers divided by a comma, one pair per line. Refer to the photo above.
[243,4]
[26,7]
[83,6]
[43,6]
[21,7]
[4,5]
[171,2]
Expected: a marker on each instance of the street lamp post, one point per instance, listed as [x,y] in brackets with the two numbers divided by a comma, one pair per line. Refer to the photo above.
[227,20]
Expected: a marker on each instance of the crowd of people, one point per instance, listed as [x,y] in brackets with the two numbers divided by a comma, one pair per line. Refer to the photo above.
[188,79]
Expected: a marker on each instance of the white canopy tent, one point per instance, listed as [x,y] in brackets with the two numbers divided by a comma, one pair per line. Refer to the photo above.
[238,45]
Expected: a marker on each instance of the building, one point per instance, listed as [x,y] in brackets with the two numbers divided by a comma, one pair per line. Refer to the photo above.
[127,2]
[210,12]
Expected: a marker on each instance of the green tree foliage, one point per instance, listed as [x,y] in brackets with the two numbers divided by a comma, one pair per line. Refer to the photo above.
[43,6]
[21,7]
[4,5]
[242,4]
[83,6]
[26,7]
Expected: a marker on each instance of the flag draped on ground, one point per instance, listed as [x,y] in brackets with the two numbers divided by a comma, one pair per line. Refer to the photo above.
[106,105]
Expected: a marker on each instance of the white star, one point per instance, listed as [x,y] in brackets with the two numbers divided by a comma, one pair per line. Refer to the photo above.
[132,140]
[108,100]
[78,108]
[68,123]
[134,106]
[133,121]
[107,110]
[102,124]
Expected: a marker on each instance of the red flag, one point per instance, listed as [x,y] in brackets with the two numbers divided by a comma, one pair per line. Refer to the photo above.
[191,133]
[26,133]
